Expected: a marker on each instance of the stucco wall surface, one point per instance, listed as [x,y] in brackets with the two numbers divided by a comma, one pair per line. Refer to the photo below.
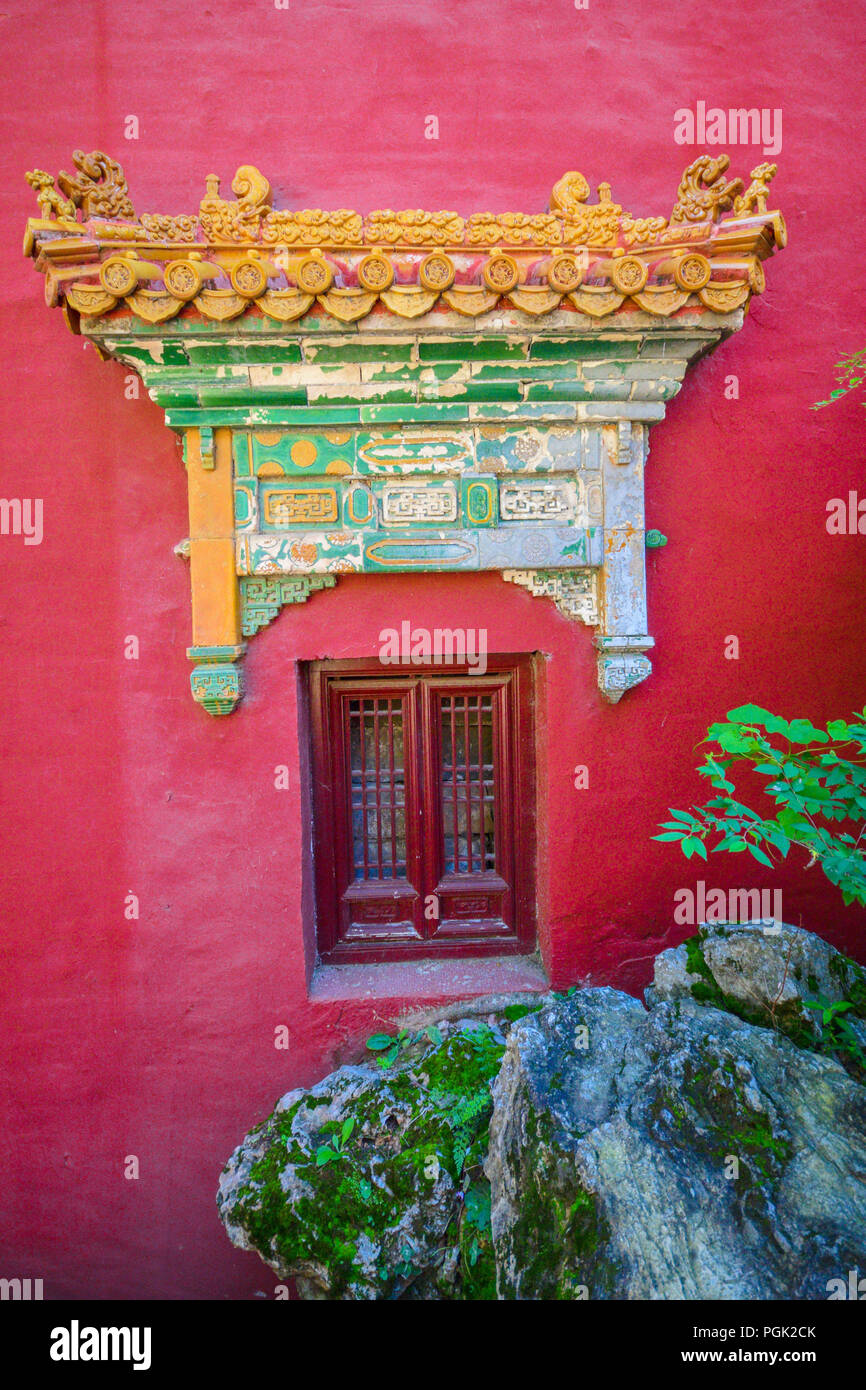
[155,1038]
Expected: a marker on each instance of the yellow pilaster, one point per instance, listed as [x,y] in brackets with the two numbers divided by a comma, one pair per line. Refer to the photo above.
[216,622]
[215,605]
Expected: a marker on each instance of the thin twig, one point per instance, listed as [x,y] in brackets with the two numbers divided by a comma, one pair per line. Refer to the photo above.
[782,985]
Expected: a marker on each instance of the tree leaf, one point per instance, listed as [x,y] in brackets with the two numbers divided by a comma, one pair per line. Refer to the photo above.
[692,845]
[732,740]
[802,731]
[733,843]
[750,714]
[759,854]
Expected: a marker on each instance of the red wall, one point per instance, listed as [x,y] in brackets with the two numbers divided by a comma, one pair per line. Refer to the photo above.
[155,1038]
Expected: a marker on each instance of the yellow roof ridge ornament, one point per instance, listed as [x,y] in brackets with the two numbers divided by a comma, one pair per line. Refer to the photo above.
[407,390]
[582,241]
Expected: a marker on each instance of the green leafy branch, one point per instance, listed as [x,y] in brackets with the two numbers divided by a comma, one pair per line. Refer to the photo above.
[465,1102]
[816,779]
[388,1048]
[475,1223]
[463,1116]
[851,374]
[838,1034]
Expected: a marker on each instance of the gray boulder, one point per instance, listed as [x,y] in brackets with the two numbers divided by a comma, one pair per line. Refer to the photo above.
[709,1146]
[680,1153]
[776,976]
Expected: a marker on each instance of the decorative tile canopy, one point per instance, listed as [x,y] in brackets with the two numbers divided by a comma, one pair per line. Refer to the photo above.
[407,391]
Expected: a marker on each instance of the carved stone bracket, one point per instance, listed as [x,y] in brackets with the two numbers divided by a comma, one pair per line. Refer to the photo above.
[262,598]
[573,591]
[216,680]
[622,664]
[407,392]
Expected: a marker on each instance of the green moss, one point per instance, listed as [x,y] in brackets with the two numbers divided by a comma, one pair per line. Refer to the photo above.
[562,1244]
[475,1243]
[851,979]
[761,1145]
[709,1113]
[788,1018]
[465,1061]
[516,1011]
[442,1092]
[696,965]
[323,1228]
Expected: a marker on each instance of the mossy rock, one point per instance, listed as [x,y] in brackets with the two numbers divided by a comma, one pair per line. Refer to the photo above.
[675,1153]
[367,1185]
[773,976]
[583,1146]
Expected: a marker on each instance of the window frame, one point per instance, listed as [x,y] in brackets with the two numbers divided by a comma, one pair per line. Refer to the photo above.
[513,675]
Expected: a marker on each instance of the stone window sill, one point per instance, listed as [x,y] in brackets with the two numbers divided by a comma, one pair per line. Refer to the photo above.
[429,980]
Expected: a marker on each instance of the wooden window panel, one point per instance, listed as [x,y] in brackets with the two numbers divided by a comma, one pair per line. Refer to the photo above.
[423,787]
[476,813]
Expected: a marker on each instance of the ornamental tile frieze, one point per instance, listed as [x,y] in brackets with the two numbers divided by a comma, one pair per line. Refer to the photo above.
[407,391]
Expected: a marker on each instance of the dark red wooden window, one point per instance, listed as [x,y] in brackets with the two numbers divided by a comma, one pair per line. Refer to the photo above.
[424,809]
